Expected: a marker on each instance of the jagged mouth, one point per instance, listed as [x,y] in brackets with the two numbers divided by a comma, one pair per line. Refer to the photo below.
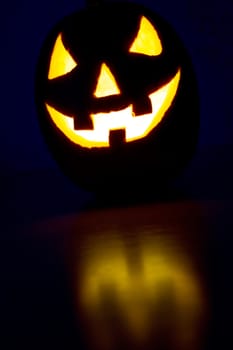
[135,127]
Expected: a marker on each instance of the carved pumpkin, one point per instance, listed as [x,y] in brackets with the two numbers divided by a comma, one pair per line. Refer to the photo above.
[117,97]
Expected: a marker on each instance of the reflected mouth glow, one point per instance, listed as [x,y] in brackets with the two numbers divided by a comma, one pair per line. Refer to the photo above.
[135,127]
[145,287]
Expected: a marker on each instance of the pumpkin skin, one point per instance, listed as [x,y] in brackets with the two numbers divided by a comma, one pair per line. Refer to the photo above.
[104,35]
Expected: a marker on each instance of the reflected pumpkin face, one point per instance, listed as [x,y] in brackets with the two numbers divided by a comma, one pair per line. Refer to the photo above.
[142,289]
[112,77]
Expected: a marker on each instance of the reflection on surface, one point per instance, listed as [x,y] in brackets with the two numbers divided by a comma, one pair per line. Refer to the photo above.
[138,291]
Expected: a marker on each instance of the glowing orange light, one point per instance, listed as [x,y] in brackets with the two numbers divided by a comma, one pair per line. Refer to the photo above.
[147,41]
[136,127]
[106,85]
[61,61]
[137,292]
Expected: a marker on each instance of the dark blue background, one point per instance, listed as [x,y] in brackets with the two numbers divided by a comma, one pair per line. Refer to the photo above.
[31,183]
[35,300]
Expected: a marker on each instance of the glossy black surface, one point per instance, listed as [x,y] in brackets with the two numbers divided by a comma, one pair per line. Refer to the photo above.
[38,305]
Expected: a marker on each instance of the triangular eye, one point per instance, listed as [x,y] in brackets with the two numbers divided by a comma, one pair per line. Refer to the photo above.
[147,41]
[61,61]
[106,84]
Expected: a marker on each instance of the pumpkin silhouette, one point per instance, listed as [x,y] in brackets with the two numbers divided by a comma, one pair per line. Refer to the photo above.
[117,98]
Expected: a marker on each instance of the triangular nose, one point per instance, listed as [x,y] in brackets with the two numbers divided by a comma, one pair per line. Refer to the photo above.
[106,85]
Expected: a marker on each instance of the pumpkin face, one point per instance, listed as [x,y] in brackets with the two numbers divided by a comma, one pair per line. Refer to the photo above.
[116,96]
[100,124]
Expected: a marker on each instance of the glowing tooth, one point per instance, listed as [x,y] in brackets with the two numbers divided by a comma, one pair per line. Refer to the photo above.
[136,127]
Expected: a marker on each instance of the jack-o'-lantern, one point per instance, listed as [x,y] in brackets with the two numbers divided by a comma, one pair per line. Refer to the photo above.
[117,97]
